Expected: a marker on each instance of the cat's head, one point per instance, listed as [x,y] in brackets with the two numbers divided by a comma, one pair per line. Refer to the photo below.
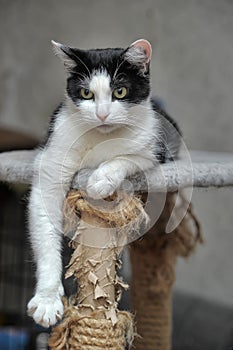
[109,88]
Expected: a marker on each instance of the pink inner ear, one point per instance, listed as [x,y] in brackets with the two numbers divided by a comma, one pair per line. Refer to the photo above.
[146,46]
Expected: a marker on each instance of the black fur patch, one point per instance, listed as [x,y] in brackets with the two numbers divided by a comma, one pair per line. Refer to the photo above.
[170,135]
[52,121]
[121,72]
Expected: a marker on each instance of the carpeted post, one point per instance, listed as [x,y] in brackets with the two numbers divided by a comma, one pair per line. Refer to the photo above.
[153,274]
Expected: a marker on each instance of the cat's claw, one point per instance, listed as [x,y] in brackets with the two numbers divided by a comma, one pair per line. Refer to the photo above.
[46,310]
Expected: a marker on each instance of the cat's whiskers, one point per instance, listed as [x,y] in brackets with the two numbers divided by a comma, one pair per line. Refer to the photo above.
[82,75]
[117,69]
[124,121]
[81,61]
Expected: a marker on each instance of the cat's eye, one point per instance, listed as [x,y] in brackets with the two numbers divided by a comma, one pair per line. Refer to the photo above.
[120,92]
[86,94]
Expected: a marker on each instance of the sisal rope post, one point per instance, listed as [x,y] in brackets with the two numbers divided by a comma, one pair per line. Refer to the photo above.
[153,277]
[91,318]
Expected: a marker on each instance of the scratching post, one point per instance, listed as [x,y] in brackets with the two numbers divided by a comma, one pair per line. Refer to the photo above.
[153,274]
[153,257]
[91,319]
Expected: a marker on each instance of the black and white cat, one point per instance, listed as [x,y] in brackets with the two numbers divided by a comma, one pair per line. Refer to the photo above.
[108,122]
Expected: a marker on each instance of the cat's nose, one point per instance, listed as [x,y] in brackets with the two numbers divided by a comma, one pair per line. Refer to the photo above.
[102,117]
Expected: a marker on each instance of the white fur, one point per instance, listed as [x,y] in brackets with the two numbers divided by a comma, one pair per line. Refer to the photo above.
[116,148]
[100,86]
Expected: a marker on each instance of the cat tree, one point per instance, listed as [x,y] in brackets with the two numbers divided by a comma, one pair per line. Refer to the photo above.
[92,320]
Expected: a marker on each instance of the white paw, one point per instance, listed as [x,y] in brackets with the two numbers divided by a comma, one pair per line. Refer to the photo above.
[102,183]
[46,310]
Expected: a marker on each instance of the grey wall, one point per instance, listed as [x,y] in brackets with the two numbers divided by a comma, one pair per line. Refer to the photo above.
[192,72]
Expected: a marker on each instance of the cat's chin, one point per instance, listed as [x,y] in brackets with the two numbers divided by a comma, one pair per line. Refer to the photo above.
[106,129]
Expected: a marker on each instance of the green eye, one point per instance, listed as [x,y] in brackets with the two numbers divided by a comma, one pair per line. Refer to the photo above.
[120,92]
[86,94]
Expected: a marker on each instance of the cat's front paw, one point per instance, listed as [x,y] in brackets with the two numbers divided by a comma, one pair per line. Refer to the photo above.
[46,310]
[103,183]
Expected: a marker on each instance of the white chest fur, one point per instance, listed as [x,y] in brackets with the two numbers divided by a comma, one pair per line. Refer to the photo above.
[75,146]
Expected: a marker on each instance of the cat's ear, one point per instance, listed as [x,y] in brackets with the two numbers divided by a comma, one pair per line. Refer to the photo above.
[139,54]
[65,53]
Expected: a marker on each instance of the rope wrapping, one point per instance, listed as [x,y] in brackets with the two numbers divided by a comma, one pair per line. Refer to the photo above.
[77,332]
[153,278]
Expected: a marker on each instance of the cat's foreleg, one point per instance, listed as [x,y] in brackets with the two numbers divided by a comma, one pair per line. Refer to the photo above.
[109,175]
[45,221]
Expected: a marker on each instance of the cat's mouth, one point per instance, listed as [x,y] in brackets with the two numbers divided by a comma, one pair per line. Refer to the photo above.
[106,128]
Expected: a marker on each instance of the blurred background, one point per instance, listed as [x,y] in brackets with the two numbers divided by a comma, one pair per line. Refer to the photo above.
[192,74]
